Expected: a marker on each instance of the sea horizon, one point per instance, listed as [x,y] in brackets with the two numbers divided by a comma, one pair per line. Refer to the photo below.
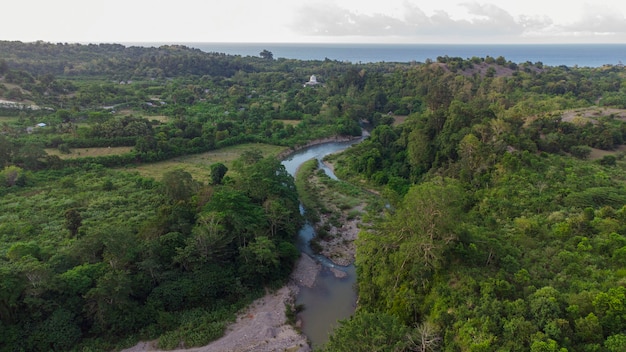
[566,54]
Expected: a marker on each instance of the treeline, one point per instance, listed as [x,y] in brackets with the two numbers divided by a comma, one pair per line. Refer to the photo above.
[41,58]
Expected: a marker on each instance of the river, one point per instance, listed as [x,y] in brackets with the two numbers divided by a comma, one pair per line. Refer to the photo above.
[331,298]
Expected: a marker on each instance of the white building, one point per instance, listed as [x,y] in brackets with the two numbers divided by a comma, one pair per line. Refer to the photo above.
[312,81]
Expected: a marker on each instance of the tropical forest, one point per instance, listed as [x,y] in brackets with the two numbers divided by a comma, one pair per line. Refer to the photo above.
[143,198]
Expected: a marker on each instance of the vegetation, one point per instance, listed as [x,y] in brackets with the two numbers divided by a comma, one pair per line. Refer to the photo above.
[500,235]
[503,230]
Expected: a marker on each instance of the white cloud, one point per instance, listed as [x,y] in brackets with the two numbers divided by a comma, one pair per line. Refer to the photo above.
[337,21]
[484,22]
[314,20]
[598,20]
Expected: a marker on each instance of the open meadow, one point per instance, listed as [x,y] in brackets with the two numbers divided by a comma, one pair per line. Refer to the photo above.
[89,152]
[199,165]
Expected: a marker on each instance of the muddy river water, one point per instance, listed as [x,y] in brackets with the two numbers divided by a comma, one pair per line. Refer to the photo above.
[331,298]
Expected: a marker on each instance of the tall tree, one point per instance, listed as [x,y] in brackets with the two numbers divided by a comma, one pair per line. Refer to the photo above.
[73,221]
[398,259]
[218,171]
[266,54]
[178,185]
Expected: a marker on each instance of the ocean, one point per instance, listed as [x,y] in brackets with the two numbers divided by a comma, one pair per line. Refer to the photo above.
[582,55]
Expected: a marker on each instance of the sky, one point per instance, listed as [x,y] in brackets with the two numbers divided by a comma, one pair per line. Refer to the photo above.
[317,21]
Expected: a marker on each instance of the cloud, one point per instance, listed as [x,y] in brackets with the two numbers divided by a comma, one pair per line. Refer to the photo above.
[332,20]
[486,21]
[598,20]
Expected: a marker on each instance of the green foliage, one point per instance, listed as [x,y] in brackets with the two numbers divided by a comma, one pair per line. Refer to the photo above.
[615,343]
[73,221]
[398,267]
[197,327]
[178,185]
[597,197]
[218,171]
[307,194]
[369,331]
[580,151]
[137,258]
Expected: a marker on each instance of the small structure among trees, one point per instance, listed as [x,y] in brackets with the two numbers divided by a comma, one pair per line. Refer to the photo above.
[312,81]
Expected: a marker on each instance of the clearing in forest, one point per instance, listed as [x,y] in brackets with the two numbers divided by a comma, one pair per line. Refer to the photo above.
[199,165]
[89,152]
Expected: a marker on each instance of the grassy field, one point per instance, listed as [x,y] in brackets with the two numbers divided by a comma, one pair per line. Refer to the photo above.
[8,119]
[199,165]
[399,119]
[160,118]
[86,152]
[599,153]
[290,122]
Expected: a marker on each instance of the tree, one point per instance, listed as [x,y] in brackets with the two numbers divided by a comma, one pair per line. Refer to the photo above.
[6,151]
[470,153]
[109,300]
[218,171]
[419,151]
[12,176]
[424,338]
[11,287]
[59,332]
[588,329]
[209,242]
[73,221]
[238,215]
[544,305]
[580,151]
[31,155]
[278,216]
[259,259]
[397,260]
[178,185]
[608,160]
[4,67]
[250,157]
[367,331]
[266,54]
[615,343]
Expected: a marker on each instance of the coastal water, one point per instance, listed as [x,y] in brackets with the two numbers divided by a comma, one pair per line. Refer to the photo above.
[582,55]
[331,298]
